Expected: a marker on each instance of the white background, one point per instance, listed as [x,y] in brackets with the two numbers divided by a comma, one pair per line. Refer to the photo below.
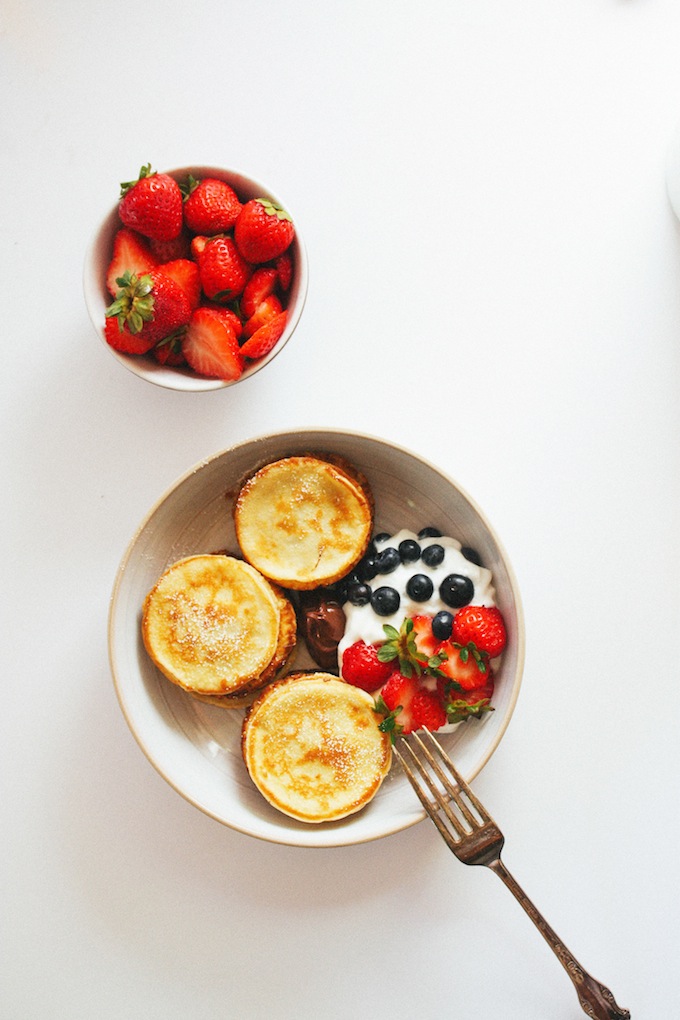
[495,284]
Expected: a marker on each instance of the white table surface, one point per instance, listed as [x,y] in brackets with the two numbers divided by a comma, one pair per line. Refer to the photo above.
[495,284]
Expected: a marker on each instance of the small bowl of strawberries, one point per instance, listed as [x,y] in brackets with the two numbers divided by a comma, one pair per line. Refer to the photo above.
[197,278]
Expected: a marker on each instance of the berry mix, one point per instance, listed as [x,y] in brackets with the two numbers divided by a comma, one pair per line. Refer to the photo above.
[422,631]
[198,278]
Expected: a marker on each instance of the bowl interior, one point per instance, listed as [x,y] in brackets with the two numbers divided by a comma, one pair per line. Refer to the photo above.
[97,297]
[196,747]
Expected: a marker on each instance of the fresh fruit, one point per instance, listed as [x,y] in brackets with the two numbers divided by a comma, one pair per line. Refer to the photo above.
[442,625]
[466,666]
[362,668]
[460,705]
[265,338]
[185,273]
[456,590]
[119,337]
[131,254]
[263,231]
[169,351]
[419,587]
[395,702]
[482,625]
[152,205]
[152,306]
[258,288]
[385,601]
[224,271]
[427,711]
[284,269]
[266,310]
[211,206]
[177,248]
[425,640]
[210,345]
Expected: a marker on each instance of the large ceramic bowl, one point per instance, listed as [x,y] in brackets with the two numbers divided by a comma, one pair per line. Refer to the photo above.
[196,747]
[97,298]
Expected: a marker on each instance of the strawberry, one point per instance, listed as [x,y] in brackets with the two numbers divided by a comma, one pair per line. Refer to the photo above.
[259,287]
[230,316]
[266,310]
[265,338]
[466,666]
[481,625]
[395,702]
[224,271]
[210,345]
[460,705]
[131,254]
[167,251]
[121,339]
[284,269]
[152,205]
[169,351]
[263,231]
[427,711]
[362,668]
[185,273]
[152,306]
[426,643]
[210,206]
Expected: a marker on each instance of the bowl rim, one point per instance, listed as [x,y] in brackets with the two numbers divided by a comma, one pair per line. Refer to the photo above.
[179,379]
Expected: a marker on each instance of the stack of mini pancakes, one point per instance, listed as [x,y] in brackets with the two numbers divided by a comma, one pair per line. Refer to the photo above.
[224,629]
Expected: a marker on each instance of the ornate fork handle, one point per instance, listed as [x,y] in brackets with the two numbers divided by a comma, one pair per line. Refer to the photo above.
[595,998]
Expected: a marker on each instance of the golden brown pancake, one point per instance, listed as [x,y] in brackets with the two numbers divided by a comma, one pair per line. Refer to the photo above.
[211,624]
[312,746]
[304,521]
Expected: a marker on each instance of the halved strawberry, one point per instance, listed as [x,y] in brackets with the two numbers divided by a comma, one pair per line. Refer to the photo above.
[210,345]
[266,310]
[265,338]
[131,254]
[426,643]
[397,697]
[466,666]
[260,285]
[185,274]
[169,351]
[462,705]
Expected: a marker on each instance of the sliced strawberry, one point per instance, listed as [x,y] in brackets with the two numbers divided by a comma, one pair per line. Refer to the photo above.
[265,311]
[185,273]
[131,254]
[284,269]
[362,668]
[265,338]
[169,351]
[260,285]
[210,345]
[230,316]
[482,625]
[426,643]
[427,711]
[466,666]
[397,696]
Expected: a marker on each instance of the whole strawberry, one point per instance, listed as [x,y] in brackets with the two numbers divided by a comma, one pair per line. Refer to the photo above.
[263,231]
[210,206]
[482,626]
[148,308]
[224,272]
[362,668]
[152,205]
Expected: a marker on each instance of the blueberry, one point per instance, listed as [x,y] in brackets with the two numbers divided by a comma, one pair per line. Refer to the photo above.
[409,551]
[419,587]
[359,594]
[385,601]
[429,532]
[472,555]
[366,568]
[382,537]
[456,590]
[387,560]
[433,555]
[442,625]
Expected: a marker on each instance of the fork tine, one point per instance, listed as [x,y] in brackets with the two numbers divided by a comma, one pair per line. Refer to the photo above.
[461,788]
[452,839]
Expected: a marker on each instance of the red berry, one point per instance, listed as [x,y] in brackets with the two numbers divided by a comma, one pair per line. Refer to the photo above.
[211,206]
[468,670]
[265,311]
[461,704]
[151,306]
[481,625]
[121,339]
[265,338]
[263,231]
[224,271]
[284,269]
[259,287]
[398,694]
[426,643]
[152,205]
[131,254]
[210,345]
[167,251]
[362,668]
[428,711]
[185,273]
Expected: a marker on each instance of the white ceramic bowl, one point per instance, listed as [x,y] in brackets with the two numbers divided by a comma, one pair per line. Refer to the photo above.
[196,747]
[97,298]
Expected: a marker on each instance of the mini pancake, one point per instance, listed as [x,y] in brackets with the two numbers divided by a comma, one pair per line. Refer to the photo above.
[211,624]
[312,746]
[304,521]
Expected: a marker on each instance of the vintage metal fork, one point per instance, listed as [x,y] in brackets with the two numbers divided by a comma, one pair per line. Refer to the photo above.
[473,836]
